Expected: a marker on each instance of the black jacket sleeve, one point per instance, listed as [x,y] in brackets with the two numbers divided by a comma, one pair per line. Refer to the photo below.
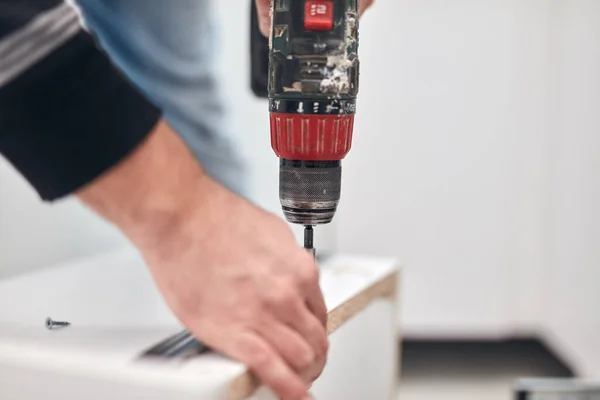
[66,113]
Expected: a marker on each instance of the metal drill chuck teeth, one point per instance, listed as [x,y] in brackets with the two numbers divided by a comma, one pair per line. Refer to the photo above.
[309,191]
[50,324]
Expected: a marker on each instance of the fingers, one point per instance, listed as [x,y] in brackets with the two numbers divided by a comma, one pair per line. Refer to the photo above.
[298,316]
[294,349]
[314,371]
[318,368]
[287,302]
[316,304]
[363,5]
[268,367]
[311,318]
[264,16]
[309,284]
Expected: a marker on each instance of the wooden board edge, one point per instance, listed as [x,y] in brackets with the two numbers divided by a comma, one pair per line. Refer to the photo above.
[383,289]
[246,385]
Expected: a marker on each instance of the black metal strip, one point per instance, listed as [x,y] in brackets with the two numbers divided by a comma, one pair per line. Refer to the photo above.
[180,345]
[313,106]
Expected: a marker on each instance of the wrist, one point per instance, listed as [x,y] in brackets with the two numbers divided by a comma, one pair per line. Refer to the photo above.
[162,218]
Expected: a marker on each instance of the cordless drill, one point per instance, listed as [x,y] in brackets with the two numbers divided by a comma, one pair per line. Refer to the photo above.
[312,86]
[312,89]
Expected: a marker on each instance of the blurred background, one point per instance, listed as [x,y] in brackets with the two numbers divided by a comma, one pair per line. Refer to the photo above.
[476,162]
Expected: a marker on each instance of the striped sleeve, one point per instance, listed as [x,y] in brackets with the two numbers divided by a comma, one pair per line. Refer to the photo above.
[67,114]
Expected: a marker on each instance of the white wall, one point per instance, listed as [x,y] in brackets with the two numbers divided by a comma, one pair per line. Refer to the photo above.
[453,109]
[476,162]
[572,212]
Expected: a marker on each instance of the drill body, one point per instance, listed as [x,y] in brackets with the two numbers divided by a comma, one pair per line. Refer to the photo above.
[312,89]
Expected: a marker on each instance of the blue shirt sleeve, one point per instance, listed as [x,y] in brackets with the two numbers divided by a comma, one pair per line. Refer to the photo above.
[166,49]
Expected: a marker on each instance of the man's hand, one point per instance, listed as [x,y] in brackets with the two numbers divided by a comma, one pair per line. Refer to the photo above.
[236,277]
[232,273]
[264,16]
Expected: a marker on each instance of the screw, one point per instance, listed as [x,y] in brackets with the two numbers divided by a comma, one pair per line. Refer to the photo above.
[50,324]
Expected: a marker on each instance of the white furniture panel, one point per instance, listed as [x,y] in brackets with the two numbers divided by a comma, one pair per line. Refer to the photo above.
[117,314]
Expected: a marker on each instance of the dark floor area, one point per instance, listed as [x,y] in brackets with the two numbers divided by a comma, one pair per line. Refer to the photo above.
[480,358]
[473,370]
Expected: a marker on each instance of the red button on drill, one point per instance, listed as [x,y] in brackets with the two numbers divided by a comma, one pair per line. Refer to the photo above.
[318,15]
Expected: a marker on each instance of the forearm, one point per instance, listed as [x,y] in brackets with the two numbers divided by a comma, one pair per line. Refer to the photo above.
[153,191]
[71,122]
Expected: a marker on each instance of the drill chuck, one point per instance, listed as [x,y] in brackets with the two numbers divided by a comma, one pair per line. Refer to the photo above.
[309,191]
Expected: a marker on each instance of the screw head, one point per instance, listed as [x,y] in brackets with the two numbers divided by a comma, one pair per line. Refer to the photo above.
[49,323]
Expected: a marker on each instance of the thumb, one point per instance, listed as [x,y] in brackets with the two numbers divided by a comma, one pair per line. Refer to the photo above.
[263,10]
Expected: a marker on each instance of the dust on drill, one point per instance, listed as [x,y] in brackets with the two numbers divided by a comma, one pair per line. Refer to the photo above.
[313,84]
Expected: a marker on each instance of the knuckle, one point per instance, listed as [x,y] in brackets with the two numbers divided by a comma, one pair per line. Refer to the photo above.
[309,273]
[262,359]
[300,354]
[293,389]
[281,294]
[322,341]
[318,370]
[307,270]
[254,353]
[305,359]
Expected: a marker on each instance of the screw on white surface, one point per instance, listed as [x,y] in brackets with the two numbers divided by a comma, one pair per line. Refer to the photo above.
[50,324]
